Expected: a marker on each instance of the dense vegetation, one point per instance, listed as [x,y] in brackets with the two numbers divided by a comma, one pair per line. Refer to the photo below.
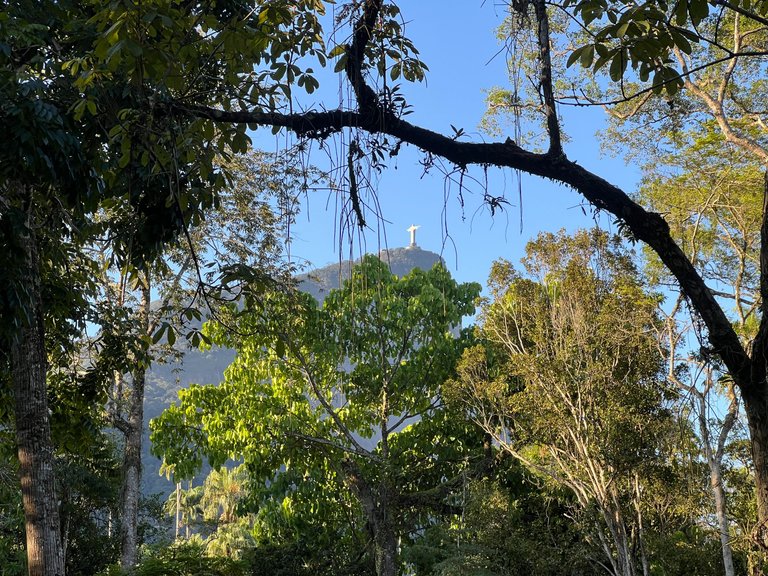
[608,412]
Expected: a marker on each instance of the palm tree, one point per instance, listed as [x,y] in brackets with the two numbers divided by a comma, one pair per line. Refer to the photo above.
[222,491]
[185,505]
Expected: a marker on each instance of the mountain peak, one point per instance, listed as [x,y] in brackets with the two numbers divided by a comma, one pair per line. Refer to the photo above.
[401,261]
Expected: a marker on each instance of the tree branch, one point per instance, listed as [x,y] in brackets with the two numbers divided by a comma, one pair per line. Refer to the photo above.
[646,226]
[335,445]
[366,97]
[758,359]
[545,77]
[729,56]
[434,497]
[119,423]
[717,110]
[728,423]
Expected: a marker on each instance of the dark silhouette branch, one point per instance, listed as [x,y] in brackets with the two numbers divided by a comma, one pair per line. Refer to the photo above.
[365,95]
[545,77]
[648,227]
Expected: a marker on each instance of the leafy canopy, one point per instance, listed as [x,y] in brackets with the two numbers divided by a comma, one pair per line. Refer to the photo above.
[357,377]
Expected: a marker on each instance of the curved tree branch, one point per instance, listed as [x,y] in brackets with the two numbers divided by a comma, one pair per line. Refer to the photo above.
[648,227]
[717,109]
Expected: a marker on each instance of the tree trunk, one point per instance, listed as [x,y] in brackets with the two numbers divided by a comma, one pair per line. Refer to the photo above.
[617,548]
[716,481]
[377,507]
[756,408]
[45,555]
[715,461]
[178,510]
[637,499]
[129,500]
[384,537]
[617,528]
[385,551]
[623,548]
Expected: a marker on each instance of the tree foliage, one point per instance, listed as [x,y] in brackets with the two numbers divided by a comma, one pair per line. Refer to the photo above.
[575,389]
[135,102]
[341,399]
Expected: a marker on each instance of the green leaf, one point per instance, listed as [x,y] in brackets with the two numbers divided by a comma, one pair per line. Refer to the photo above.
[341,63]
[158,335]
[618,66]
[575,55]
[658,82]
[681,12]
[621,31]
[698,10]
[681,41]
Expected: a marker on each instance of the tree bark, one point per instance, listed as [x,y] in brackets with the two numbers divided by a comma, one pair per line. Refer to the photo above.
[614,519]
[385,539]
[45,554]
[716,481]
[178,510]
[715,461]
[129,498]
[756,409]
[377,506]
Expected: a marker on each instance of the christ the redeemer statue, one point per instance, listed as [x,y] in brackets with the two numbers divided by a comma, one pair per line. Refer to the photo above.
[412,230]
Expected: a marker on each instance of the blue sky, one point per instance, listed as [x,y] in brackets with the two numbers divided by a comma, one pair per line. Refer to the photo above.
[457,41]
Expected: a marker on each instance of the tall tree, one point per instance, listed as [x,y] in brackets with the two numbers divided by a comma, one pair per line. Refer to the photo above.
[239,242]
[46,185]
[346,393]
[711,191]
[52,179]
[579,391]
[45,554]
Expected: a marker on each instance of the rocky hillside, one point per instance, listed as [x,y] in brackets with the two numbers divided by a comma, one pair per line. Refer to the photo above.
[401,261]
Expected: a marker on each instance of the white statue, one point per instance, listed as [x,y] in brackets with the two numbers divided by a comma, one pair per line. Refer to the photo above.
[412,230]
